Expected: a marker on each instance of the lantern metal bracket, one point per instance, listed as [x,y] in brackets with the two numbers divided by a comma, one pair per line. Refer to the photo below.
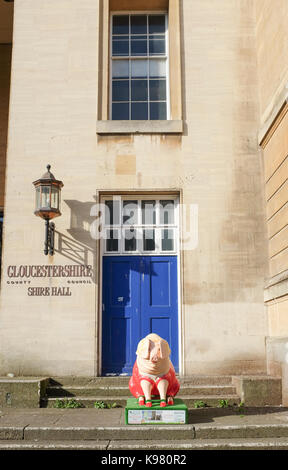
[49,237]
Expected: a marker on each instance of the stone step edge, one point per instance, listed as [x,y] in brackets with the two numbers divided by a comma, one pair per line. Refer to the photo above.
[121,398]
[264,443]
[138,433]
[194,379]
[190,402]
[58,391]
[123,387]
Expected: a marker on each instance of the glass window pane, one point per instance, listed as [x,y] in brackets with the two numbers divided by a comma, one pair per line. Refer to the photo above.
[54,198]
[167,240]
[112,212]
[158,111]
[120,24]
[148,212]
[149,240]
[120,111]
[138,47]
[111,240]
[45,196]
[139,111]
[157,24]
[156,46]
[167,212]
[139,68]
[157,90]
[130,240]
[120,90]
[139,24]
[38,198]
[157,68]
[120,69]
[139,90]
[120,45]
[130,212]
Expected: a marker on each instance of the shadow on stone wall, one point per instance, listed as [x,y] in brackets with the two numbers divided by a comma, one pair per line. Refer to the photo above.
[80,247]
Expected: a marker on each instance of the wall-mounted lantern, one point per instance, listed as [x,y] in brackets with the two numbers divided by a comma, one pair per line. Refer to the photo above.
[48,198]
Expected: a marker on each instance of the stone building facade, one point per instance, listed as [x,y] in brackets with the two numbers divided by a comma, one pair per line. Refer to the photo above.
[136,105]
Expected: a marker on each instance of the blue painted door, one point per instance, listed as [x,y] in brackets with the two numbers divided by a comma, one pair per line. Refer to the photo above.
[140,296]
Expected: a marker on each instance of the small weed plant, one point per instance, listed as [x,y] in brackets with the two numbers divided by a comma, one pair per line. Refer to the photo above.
[68,403]
[223,403]
[199,404]
[103,405]
[241,409]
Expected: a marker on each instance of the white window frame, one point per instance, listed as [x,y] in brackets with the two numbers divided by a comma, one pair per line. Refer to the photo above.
[146,13]
[140,227]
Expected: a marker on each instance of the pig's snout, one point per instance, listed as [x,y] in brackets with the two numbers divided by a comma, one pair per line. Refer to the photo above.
[154,356]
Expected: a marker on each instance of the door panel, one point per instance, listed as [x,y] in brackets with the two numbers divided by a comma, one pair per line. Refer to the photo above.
[121,336]
[158,275]
[139,297]
[120,316]
[159,301]
[161,326]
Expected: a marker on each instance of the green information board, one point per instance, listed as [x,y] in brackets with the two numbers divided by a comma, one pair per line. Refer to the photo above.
[172,414]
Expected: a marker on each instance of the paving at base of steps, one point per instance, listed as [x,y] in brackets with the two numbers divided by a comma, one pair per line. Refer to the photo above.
[51,418]
[104,430]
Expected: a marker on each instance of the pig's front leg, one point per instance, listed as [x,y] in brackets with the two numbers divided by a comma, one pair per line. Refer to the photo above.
[147,387]
[162,388]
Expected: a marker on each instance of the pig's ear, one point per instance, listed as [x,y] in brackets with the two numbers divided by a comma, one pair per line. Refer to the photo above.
[144,348]
[164,349]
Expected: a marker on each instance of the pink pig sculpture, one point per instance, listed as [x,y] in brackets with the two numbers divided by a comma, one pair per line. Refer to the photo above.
[153,372]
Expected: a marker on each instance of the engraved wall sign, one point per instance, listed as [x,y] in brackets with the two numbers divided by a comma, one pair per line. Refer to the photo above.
[72,274]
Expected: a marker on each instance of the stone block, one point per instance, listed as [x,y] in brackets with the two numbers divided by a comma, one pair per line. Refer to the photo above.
[11,433]
[277,360]
[22,392]
[258,390]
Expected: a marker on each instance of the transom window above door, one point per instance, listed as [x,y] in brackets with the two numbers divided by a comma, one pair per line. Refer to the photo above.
[140,226]
[139,67]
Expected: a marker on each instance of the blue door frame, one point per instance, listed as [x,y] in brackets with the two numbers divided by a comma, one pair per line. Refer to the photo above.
[140,296]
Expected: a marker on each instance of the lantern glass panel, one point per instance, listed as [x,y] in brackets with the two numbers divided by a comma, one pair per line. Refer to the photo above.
[38,192]
[45,197]
[55,198]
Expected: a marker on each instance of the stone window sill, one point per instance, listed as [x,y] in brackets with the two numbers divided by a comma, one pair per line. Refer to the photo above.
[140,127]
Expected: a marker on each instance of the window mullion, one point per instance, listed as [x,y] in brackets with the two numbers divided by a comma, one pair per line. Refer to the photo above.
[130,69]
[158,231]
[148,69]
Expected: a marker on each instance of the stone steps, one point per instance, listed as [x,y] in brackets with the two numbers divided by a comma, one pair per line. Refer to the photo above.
[123,391]
[87,390]
[155,432]
[178,437]
[209,444]
[263,428]
[189,400]
[123,380]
